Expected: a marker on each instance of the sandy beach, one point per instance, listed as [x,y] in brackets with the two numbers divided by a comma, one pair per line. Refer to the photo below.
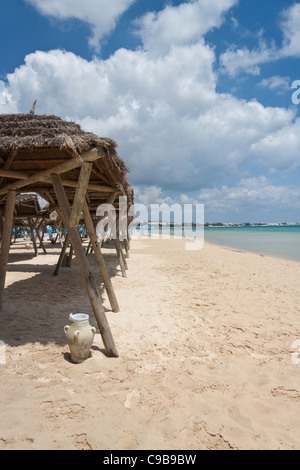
[208,346]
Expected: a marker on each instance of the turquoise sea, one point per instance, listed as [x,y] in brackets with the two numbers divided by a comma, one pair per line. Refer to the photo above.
[281,241]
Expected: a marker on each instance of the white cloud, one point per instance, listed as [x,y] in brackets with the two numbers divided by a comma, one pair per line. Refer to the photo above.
[2,90]
[150,195]
[291,31]
[172,127]
[101,15]
[276,82]
[279,150]
[181,25]
[249,197]
[253,199]
[234,61]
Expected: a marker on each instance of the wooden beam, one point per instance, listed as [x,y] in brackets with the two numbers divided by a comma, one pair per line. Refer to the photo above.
[100,260]
[88,248]
[120,244]
[39,236]
[6,239]
[84,268]
[18,175]
[9,162]
[1,225]
[22,175]
[79,197]
[98,188]
[126,246]
[61,256]
[122,254]
[70,164]
[120,257]
[31,225]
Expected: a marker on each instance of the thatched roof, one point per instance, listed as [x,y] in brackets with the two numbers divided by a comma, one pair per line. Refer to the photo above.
[36,132]
[30,144]
[27,205]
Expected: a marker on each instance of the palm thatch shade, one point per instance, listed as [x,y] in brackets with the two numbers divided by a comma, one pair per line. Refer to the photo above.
[26,131]
[27,205]
[30,144]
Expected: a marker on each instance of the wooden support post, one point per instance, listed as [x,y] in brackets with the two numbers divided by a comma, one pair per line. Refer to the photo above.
[6,239]
[61,256]
[126,248]
[79,197]
[99,257]
[122,253]
[39,237]
[88,248]
[43,232]
[120,245]
[1,225]
[86,273]
[128,238]
[120,258]
[32,236]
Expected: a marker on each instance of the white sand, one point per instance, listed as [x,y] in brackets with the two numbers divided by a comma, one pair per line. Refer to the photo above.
[208,343]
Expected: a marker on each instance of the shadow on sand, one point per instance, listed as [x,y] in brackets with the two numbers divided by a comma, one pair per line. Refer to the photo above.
[37,308]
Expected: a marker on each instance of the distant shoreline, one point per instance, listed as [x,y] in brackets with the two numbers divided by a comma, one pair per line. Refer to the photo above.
[217,225]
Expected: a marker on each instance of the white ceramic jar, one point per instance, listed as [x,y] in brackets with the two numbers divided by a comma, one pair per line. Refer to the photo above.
[80,336]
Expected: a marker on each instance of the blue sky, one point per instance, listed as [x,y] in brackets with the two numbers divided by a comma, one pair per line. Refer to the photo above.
[197,94]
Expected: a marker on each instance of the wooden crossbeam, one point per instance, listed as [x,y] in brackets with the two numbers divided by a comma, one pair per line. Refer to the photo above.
[9,162]
[98,188]
[70,164]
[21,175]
[13,174]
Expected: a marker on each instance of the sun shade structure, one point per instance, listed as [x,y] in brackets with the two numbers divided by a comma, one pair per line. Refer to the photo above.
[28,218]
[35,146]
[75,172]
